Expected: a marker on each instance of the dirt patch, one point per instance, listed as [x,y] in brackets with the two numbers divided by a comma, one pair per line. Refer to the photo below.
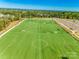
[69,26]
[10,26]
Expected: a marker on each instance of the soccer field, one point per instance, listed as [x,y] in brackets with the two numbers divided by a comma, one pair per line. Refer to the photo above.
[38,38]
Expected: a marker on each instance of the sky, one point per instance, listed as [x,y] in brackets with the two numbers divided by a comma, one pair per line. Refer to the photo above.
[66,5]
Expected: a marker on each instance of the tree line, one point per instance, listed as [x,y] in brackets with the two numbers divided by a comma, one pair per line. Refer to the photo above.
[8,15]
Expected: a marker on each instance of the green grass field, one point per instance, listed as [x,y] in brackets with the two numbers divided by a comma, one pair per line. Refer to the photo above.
[38,38]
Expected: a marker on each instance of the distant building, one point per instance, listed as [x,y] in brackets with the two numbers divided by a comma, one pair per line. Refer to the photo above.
[2,15]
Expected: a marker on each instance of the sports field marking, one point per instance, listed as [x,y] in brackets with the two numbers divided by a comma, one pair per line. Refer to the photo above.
[64,26]
[45,44]
[71,54]
[55,32]
[5,49]
[39,50]
[11,28]
[23,30]
[31,43]
[8,46]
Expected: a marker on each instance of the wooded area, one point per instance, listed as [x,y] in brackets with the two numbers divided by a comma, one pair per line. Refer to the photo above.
[8,15]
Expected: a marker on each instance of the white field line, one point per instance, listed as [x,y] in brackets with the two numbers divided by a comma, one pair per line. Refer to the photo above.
[9,45]
[64,26]
[2,52]
[11,28]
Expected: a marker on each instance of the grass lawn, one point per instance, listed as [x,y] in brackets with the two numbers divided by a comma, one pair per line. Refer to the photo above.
[38,38]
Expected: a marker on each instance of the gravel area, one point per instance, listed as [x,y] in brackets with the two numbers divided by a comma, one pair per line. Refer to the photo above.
[73,25]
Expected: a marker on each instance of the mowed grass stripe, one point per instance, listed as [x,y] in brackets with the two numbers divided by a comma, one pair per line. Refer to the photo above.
[38,38]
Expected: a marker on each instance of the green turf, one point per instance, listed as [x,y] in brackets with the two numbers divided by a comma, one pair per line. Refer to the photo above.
[38,39]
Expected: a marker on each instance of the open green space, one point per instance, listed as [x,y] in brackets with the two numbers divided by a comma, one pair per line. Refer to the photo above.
[38,38]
